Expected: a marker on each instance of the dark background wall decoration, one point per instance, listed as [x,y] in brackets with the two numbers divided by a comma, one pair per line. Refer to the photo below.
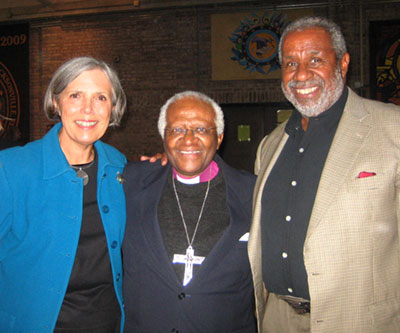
[14,84]
[385,61]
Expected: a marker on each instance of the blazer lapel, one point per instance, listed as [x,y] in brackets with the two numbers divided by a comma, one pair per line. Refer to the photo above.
[266,161]
[266,158]
[353,128]
[152,232]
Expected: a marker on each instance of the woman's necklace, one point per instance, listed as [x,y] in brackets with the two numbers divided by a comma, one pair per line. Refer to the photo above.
[80,171]
[189,258]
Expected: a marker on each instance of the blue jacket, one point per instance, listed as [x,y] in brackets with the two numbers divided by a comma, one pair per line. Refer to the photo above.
[220,297]
[40,220]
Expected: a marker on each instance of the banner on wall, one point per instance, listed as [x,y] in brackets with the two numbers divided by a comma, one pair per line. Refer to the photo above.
[14,84]
[244,46]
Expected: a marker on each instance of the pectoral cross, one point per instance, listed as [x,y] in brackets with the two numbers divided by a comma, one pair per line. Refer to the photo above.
[189,259]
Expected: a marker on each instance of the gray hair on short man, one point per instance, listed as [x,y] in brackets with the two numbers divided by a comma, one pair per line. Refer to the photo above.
[309,22]
[69,71]
[219,115]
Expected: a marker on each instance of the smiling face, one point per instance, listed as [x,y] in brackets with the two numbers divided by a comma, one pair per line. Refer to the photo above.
[190,153]
[85,108]
[312,79]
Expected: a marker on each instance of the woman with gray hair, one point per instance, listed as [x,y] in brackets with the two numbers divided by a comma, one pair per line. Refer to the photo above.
[62,212]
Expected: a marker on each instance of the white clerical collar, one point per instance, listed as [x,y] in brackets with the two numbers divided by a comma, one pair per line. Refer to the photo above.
[194,180]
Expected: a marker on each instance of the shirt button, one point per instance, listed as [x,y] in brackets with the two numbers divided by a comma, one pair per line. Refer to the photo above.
[294,183]
[114,244]
[181,296]
[105,209]
[290,290]
[284,255]
[288,218]
[118,277]
[301,150]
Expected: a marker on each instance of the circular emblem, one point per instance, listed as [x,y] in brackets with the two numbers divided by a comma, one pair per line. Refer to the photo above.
[9,99]
[262,46]
[256,42]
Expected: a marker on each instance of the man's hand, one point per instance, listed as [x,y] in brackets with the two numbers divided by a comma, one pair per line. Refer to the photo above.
[156,157]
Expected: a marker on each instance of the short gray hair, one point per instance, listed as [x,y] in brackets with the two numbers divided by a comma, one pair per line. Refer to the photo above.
[219,115]
[309,22]
[69,71]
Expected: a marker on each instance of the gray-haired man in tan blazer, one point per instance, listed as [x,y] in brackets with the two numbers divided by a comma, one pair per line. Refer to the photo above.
[324,242]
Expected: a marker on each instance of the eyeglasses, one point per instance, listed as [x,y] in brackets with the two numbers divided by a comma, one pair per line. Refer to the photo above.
[197,132]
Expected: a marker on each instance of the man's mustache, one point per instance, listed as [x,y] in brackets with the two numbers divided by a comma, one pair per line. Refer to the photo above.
[306,84]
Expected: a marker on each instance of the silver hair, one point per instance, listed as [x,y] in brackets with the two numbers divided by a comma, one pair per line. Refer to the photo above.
[219,115]
[69,71]
[309,22]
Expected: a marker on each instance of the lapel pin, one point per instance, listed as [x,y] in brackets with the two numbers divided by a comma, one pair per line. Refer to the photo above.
[119,177]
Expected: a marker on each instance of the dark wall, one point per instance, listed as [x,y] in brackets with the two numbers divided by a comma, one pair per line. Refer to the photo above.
[160,52]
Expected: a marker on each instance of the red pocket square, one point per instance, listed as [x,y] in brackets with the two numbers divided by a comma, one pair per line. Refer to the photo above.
[364,174]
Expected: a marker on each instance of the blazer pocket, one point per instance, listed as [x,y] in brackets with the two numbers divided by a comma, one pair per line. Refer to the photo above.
[371,183]
[370,180]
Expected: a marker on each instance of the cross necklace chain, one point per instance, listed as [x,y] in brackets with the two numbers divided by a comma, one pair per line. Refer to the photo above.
[189,259]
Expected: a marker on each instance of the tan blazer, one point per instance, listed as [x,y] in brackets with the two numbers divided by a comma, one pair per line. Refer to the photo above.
[351,250]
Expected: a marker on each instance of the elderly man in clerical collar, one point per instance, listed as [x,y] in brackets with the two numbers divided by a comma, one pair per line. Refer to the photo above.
[185,248]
